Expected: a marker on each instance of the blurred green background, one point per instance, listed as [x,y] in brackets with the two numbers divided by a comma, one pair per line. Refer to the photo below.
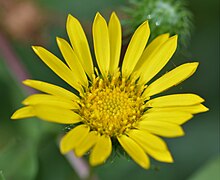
[28,148]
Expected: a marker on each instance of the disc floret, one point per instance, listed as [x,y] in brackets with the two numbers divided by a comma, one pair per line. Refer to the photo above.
[112,105]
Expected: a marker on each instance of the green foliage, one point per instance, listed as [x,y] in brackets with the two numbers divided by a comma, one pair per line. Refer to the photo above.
[164,16]
[18,141]
[2,176]
[209,170]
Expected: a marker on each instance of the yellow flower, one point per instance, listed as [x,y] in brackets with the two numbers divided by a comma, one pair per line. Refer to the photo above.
[114,103]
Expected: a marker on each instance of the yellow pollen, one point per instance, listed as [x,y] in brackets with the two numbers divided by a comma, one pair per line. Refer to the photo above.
[111,106]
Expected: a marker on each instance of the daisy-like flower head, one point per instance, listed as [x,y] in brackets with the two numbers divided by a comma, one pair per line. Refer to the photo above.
[113,103]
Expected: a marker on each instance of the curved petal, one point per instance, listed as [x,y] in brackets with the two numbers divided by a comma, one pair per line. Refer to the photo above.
[157,60]
[101,150]
[57,66]
[115,38]
[73,138]
[73,62]
[175,100]
[152,145]
[190,109]
[87,143]
[134,151]
[24,112]
[46,99]
[176,117]
[164,129]
[151,49]
[56,114]
[50,89]
[170,79]
[80,44]
[101,44]
[135,49]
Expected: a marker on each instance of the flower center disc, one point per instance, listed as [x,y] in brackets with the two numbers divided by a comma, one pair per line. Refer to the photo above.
[111,107]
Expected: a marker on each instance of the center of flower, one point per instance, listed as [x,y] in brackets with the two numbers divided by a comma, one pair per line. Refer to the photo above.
[112,106]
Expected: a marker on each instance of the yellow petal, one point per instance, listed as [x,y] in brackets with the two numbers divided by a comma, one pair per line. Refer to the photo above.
[145,139]
[56,114]
[151,49]
[80,44]
[134,151]
[160,128]
[73,138]
[163,156]
[50,89]
[24,112]
[170,79]
[87,143]
[101,44]
[73,62]
[175,100]
[115,37]
[152,145]
[101,150]
[57,66]
[157,60]
[45,99]
[190,109]
[135,48]
[176,117]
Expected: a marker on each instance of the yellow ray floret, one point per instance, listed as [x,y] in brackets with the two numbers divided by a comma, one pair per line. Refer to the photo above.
[73,62]
[152,145]
[194,109]
[101,44]
[132,55]
[87,143]
[176,117]
[48,113]
[135,151]
[170,79]
[115,38]
[151,49]
[57,66]
[24,112]
[73,138]
[162,128]
[50,89]
[46,99]
[154,62]
[175,100]
[80,44]
[101,150]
